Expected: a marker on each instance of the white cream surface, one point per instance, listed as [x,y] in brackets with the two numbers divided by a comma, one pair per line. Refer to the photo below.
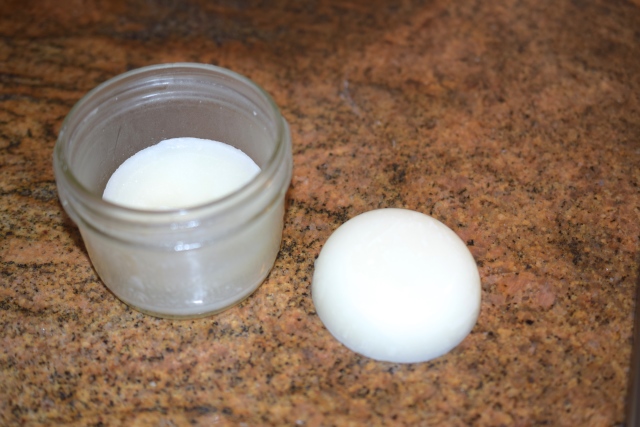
[180,173]
[396,285]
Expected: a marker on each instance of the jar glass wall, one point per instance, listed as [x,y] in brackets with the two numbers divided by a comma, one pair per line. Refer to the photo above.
[183,262]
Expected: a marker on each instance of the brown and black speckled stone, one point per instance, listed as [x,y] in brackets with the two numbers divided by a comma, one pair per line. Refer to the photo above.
[515,123]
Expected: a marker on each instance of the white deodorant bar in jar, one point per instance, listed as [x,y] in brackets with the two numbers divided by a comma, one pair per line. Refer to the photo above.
[180,173]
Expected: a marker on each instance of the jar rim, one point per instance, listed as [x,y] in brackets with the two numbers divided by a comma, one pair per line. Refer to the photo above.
[61,166]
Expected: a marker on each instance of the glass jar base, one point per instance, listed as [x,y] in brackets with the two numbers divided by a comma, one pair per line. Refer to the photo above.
[201,315]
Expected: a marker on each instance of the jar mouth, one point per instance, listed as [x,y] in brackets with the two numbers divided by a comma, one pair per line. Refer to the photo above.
[89,104]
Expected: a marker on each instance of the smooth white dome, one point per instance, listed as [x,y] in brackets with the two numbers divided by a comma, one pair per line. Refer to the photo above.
[396,285]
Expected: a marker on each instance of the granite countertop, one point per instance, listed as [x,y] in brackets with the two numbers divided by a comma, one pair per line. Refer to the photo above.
[517,124]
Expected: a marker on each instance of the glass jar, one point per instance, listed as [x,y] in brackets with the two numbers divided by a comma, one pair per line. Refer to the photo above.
[186,262]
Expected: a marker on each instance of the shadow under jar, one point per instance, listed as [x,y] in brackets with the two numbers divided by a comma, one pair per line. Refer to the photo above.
[188,262]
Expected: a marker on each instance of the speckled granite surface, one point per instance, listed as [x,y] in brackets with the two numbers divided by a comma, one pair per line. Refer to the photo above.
[515,123]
